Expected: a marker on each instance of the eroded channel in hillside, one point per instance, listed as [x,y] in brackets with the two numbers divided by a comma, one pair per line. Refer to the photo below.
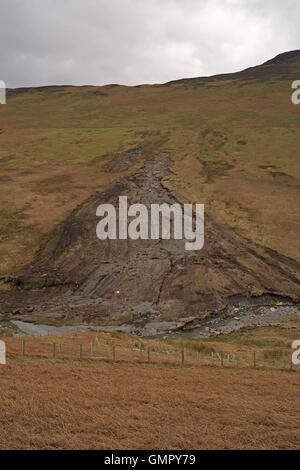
[145,286]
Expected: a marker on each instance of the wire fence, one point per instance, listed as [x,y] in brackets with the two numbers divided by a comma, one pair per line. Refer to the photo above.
[93,348]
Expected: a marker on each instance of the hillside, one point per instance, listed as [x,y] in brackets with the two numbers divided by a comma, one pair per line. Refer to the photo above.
[229,141]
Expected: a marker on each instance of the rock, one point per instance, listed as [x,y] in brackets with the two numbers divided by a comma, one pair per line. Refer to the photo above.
[16,312]
[186,319]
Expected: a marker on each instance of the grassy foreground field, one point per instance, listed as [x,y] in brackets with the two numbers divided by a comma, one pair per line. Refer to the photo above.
[93,402]
[112,406]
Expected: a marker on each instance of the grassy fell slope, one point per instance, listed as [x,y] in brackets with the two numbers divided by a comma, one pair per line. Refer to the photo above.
[235,140]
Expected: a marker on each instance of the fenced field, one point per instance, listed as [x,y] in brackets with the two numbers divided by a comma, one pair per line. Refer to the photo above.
[97,347]
[111,391]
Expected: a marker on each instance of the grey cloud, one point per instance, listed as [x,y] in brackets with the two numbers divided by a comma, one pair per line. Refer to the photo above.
[139,41]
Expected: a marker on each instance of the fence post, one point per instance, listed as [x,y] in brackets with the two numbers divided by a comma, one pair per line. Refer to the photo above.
[59,348]
[81,351]
[114,352]
[182,356]
[148,353]
[254,360]
[91,347]
[2,353]
[54,350]
[222,359]
[23,347]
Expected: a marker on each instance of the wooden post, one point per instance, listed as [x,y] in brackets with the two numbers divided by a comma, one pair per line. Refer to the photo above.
[54,350]
[91,347]
[2,353]
[254,360]
[182,356]
[291,364]
[81,351]
[148,353]
[222,359]
[114,352]
[23,347]
[59,348]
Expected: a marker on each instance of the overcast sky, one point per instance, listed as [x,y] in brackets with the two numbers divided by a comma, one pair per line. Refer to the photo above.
[131,42]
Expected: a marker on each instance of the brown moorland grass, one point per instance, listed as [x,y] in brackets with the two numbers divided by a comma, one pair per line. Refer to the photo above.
[115,406]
